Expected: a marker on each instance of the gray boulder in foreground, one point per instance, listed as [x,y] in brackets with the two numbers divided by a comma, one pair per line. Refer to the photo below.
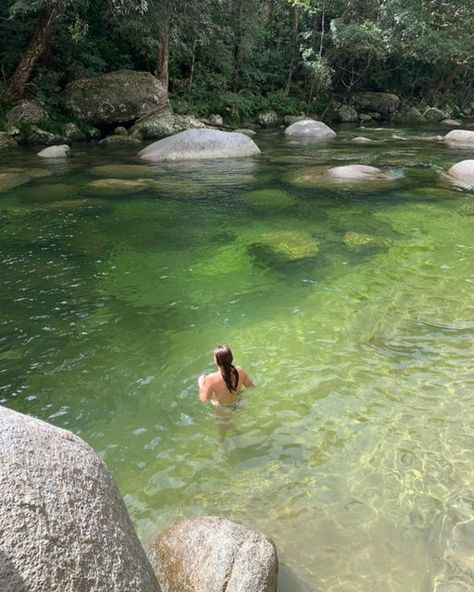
[462,174]
[459,137]
[63,523]
[199,144]
[61,151]
[211,554]
[311,129]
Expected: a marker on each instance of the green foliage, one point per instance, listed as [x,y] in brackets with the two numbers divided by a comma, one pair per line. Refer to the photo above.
[239,57]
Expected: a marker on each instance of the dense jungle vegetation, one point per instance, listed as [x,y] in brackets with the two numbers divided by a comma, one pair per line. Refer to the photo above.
[241,56]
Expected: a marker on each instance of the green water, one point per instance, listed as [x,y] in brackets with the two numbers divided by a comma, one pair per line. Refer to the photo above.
[354,452]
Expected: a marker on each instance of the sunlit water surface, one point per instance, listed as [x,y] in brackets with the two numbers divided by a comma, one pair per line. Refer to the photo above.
[355,451]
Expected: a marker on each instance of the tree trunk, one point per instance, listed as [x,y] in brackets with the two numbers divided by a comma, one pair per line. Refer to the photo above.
[294,49]
[193,66]
[239,37]
[47,21]
[163,49]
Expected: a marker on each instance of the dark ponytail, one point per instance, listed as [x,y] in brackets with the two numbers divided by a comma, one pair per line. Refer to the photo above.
[229,373]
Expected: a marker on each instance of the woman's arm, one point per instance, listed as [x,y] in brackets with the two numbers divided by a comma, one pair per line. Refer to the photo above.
[205,388]
[246,380]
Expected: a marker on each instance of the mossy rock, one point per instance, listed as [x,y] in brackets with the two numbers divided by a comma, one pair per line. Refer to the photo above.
[48,192]
[466,210]
[74,204]
[269,199]
[14,177]
[176,188]
[285,246]
[307,177]
[120,171]
[118,186]
[227,259]
[356,240]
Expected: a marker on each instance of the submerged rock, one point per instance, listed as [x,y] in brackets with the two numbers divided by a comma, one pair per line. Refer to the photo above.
[466,210]
[200,144]
[355,240]
[12,177]
[269,199]
[129,171]
[212,554]
[118,186]
[357,172]
[285,246]
[64,524]
[362,140]
[460,138]
[311,129]
[462,174]
[61,151]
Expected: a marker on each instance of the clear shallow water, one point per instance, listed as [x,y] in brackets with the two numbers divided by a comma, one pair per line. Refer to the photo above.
[355,450]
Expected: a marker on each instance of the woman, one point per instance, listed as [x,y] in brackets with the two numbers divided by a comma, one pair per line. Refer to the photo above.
[222,388]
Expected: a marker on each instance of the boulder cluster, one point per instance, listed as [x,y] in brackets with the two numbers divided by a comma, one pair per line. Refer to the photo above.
[65,526]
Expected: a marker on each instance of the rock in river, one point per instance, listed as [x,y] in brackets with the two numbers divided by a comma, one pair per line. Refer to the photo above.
[118,186]
[212,554]
[460,138]
[462,174]
[64,524]
[357,172]
[61,151]
[269,199]
[199,144]
[311,129]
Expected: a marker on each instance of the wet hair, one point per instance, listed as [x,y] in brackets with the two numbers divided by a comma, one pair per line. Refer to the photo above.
[229,373]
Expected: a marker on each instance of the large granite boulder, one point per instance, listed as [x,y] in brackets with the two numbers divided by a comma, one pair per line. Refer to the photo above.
[161,125]
[462,174]
[64,524]
[26,112]
[212,554]
[310,129]
[385,103]
[117,97]
[199,144]
[463,138]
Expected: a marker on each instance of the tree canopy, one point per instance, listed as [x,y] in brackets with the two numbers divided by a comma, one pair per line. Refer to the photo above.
[229,55]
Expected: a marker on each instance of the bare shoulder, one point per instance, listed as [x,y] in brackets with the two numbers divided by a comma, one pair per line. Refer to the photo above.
[244,377]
